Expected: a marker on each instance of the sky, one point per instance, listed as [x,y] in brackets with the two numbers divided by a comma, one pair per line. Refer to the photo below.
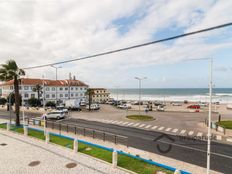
[47,31]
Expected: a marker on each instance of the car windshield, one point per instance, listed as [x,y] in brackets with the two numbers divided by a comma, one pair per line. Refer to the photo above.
[54,113]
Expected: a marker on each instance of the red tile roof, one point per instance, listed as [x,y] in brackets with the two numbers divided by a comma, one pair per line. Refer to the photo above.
[28,81]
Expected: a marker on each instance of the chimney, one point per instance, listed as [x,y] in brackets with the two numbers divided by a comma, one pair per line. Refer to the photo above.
[70,76]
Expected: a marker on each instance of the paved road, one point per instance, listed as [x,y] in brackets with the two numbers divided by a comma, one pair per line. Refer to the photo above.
[187,150]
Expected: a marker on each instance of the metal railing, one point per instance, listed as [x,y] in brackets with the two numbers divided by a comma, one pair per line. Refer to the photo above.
[81,130]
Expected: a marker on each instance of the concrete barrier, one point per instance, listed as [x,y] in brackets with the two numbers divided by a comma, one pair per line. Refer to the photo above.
[47,137]
[25,130]
[75,145]
[8,126]
[115,158]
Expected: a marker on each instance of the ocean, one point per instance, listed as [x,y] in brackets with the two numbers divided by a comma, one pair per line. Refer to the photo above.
[222,95]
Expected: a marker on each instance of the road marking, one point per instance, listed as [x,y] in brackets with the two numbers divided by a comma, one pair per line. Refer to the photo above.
[218,137]
[142,125]
[136,124]
[199,134]
[120,122]
[110,121]
[148,126]
[161,128]
[154,127]
[174,130]
[130,124]
[114,121]
[229,139]
[190,132]
[168,129]
[183,131]
[125,123]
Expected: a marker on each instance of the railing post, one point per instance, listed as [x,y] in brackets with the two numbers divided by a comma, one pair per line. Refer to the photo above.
[47,137]
[75,130]
[8,126]
[60,128]
[67,128]
[84,131]
[25,130]
[52,125]
[75,145]
[177,172]
[93,134]
[115,139]
[115,158]
[104,136]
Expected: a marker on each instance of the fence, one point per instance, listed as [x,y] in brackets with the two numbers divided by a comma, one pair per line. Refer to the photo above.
[215,126]
[80,130]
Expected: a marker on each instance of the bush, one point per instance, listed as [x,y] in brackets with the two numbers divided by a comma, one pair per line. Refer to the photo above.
[50,104]
[34,102]
[3,101]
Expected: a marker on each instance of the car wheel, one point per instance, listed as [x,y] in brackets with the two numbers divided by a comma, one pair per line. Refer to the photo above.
[58,118]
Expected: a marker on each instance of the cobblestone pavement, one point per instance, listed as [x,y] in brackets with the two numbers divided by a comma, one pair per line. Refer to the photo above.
[23,155]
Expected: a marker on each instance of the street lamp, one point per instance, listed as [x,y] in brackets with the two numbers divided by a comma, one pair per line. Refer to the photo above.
[56,78]
[140,79]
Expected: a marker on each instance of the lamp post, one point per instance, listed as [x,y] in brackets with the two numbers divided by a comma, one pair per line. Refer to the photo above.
[56,78]
[140,79]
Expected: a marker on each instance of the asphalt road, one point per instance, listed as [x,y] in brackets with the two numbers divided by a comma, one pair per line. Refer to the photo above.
[187,150]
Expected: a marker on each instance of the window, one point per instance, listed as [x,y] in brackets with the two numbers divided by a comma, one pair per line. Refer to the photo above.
[76,94]
[25,87]
[26,95]
[61,89]
[80,88]
[66,95]
[11,87]
[53,88]
[47,96]
[71,95]
[20,88]
[71,88]
[77,88]
[61,95]
[81,94]
[32,95]
[66,89]
[97,91]
[47,89]
[53,96]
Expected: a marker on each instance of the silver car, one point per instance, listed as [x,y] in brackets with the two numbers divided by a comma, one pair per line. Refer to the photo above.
[55,114]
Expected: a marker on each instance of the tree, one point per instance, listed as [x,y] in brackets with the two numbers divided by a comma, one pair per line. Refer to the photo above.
[11,71]
[38,88]
[34,102]
[11,99]
[89,93]
[50,104]
[3,101]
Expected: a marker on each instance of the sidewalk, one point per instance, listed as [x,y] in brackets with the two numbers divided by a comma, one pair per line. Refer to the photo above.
[18,152]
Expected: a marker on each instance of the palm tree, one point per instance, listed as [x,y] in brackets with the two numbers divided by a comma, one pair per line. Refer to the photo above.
[11,71]
[89,93]
[38,88]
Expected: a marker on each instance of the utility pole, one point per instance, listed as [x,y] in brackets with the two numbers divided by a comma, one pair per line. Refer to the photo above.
[210,112]
[56,79]
[43,94]
[140,79]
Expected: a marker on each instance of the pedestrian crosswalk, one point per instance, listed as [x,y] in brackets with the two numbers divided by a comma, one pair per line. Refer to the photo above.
[176,131]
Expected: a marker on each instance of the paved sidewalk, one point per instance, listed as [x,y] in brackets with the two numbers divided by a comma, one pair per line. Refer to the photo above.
[18,152]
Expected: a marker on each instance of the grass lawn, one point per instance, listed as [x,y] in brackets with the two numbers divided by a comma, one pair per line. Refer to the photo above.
[3,126]
[140,117]
[225,124]
[124,161]
[139,166]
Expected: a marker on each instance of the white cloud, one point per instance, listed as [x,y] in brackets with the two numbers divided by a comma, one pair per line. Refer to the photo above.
[40,32]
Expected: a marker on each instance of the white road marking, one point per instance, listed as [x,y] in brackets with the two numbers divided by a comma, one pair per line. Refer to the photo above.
[120,122]
[168,129]
[114,121]
[136,124]
[190,132]
[174,130]
[229,139]
[161,128]
[148,126]
[218,137]
[154,127]
[125,123]
[142,125]
[130,124]
[183,131]
[199,134]
[110,121]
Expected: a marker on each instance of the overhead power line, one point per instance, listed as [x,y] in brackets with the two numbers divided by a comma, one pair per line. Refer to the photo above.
[134,46]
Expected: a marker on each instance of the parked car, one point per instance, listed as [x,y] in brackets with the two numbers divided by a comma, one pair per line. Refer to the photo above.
[93,106]
[160,108]
[55,114]
[194,107]
[203,104]
[125,106]
[176,104]
[61,108]
[73,104]
[83,103]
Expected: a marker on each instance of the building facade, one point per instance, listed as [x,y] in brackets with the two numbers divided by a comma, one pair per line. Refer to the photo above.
[100,95]
[52,90]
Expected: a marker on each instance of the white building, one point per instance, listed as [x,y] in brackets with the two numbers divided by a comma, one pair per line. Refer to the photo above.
[53,90]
